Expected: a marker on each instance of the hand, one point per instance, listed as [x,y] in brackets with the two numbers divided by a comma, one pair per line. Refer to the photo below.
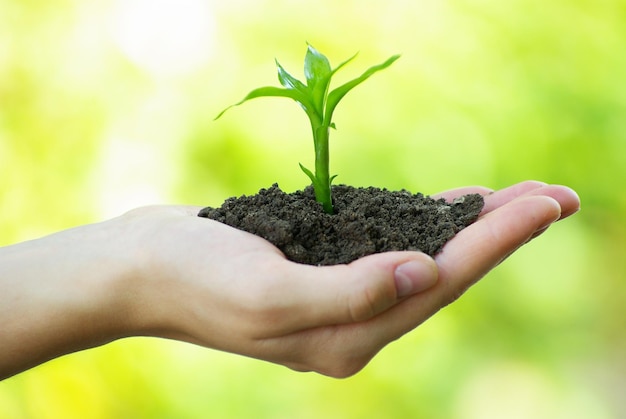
[163,271]
[225,289]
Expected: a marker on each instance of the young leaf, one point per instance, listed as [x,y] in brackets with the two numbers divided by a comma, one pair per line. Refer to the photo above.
[288,81]
[344,63]
[316,67]
[271,91]
[317,71]
[308,173]
[336,95]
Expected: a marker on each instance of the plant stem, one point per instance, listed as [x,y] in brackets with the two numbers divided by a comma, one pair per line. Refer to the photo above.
[322,172]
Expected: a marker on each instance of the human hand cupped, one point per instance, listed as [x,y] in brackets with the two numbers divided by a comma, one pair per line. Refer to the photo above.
[222,288]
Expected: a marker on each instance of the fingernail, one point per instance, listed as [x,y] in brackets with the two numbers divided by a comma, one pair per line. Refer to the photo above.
[413,277]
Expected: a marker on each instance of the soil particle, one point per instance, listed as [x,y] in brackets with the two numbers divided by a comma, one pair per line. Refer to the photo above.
[366,220]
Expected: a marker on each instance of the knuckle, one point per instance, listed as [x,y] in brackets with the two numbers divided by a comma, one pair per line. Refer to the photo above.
[369,301]
[452,294]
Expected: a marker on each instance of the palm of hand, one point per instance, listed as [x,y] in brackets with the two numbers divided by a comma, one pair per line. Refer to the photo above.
[229,290]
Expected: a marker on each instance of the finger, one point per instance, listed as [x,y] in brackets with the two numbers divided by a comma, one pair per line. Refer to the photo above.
[320,296]
[468,257]
[566,197]
[452,194]
[482,246]
[500,197]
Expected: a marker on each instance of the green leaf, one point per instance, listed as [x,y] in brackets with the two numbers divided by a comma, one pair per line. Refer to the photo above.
[309,174]
[316,66]
[336,95]
[318,72]
[344,63]
[288,81]
[271,91]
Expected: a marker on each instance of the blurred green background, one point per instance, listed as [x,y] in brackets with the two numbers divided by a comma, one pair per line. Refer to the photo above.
[107,105]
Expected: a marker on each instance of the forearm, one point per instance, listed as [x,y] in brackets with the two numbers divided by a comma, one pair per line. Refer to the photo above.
[60,294]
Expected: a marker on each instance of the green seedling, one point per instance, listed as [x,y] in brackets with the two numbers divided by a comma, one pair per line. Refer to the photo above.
[319,104]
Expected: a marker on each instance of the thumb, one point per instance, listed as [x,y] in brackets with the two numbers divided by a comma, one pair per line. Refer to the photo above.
[362,289]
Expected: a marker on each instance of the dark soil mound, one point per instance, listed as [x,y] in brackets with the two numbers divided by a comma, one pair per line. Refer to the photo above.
[366,221]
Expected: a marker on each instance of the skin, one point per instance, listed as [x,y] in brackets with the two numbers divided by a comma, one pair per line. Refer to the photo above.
[162,271]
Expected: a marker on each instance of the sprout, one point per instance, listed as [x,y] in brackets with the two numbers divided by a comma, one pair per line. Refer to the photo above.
[319,104]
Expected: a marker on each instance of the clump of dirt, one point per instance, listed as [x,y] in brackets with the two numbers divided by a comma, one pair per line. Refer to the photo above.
[366,220]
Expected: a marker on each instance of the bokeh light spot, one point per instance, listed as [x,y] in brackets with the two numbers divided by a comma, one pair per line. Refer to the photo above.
[164,37]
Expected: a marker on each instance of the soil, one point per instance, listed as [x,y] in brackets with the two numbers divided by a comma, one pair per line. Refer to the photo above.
[366,220]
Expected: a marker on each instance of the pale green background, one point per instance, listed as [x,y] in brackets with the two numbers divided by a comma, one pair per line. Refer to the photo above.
[107,105]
